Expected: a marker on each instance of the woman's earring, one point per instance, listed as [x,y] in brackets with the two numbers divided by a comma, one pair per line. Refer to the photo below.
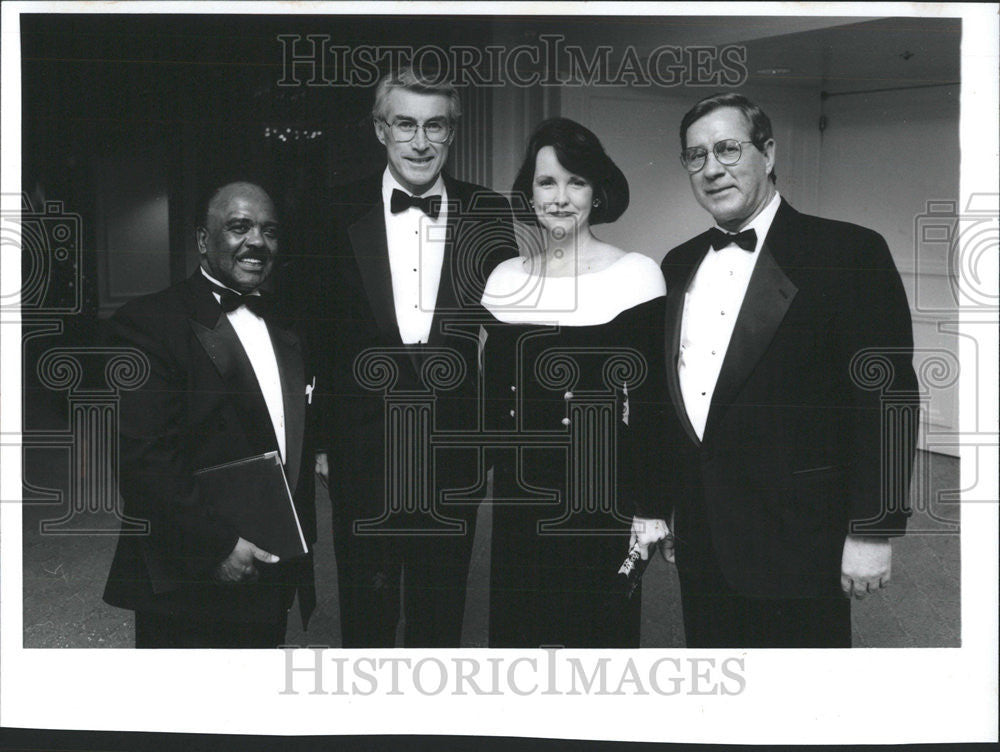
[597,202]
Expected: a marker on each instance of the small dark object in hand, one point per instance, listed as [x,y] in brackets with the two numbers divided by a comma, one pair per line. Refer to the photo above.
[631,570]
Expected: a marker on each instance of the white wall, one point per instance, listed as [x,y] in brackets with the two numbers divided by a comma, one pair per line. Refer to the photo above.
[879,161]
[883,158]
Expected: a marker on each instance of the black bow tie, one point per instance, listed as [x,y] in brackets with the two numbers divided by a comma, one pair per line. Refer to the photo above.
[747,240]
[257,303]
[429,205]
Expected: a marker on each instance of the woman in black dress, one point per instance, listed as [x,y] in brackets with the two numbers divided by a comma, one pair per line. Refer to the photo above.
[571,366]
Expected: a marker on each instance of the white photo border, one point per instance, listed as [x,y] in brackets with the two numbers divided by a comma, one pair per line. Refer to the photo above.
[857,696]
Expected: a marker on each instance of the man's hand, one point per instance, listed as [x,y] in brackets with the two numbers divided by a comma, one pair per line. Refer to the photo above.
[648,532]
[239,565]
[866,565]
[323,469]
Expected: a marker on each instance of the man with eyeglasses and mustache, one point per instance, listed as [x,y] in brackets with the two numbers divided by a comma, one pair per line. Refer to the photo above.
[226,383]
[412,248]
[787,336]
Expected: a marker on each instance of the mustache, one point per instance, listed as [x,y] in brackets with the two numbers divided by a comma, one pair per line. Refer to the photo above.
[255,255]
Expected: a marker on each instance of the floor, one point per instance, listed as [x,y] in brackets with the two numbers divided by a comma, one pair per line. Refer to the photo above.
[65,568]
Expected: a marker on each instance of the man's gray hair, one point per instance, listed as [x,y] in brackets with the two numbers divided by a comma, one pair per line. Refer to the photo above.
[410,80]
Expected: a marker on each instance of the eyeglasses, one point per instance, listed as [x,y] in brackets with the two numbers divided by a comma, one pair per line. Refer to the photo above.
[436,131]
[727,152]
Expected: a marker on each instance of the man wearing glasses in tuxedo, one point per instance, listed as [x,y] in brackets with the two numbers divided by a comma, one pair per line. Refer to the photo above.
[785,474]
[411,250]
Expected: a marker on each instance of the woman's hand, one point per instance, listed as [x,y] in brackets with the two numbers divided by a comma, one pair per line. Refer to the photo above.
[647,532]
[323,469]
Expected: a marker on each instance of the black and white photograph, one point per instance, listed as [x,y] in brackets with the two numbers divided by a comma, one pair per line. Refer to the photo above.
[596,372]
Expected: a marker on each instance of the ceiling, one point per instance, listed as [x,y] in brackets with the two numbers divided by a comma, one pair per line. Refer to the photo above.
[218,68]
[872,54]
[837,53]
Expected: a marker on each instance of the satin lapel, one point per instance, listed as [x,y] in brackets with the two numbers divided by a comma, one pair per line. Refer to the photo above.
[223,347]
[372,255]
[289,356]
[767,299]
[446,299]
[675,314]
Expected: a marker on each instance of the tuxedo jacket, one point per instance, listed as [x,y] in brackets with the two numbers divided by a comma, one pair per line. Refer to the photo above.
[812,426]
[201,406]
[352,312]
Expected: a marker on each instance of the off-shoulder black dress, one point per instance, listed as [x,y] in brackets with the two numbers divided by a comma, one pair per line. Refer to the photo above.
[582,400]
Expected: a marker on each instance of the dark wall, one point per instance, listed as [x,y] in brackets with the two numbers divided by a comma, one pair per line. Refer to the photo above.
[193,99]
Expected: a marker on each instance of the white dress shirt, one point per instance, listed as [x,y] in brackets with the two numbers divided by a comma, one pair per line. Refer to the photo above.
[416,254]
[711,305]
[256,340]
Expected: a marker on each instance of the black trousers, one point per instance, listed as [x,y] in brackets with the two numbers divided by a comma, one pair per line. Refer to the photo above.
[716,616]
[155,630]
[432,571]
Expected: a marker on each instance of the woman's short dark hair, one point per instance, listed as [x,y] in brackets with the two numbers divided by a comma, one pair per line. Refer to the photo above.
[580,152]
